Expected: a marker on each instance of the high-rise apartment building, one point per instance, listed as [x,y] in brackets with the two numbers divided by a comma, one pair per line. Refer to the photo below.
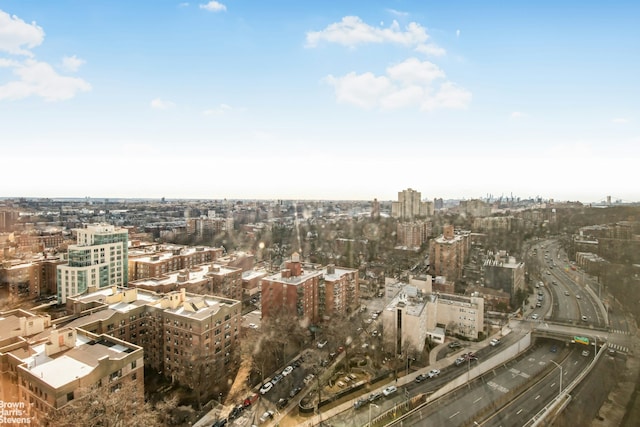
[99,259]
[413,234]
[410,206]
[45,368]
[189,338]
[447,253]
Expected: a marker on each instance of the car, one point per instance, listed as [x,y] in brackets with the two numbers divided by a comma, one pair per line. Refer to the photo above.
[296,363]
[375,396]
[578,296]
[282,402]
[534,316]
[332,355]
[249,400]
[286,371]
[554,349]
[421,378]
[267,415]
[235,412]
[340,349]
[308,378]
[321,344]
[359,403]
[389,390]
[585,353]
[566,293]
[275,380]
[553,282]
[494,342]
[455,344]
[294,391]
[434,373]
[253,326]
[266,387]
[611,352]
[584,318]
[460,361]
[374,333]
[220,423]
[538,304]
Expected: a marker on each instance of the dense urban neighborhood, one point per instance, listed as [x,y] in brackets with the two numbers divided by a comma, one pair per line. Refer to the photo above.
[282,312]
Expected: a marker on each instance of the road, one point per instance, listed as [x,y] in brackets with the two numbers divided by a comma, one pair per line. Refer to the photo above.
[485,394]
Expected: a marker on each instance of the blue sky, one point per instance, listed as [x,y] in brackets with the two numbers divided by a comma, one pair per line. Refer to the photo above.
[320,100]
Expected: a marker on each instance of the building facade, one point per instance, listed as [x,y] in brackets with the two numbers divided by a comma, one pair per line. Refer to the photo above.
[410,206]
[99,259]
[447,254]
[188,338]
[45,368]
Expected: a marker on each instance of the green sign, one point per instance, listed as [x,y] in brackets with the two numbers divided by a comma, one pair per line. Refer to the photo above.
[581,340]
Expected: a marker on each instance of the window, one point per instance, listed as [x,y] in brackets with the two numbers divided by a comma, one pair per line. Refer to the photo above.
[69,397]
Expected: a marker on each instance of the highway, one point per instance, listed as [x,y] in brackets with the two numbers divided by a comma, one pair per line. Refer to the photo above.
[484,395]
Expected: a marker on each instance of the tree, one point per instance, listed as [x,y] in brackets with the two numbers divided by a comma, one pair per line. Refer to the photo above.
[113,405]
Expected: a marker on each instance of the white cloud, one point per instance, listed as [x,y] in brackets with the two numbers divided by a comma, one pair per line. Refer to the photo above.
[411,83]
[221,109]
[160,104]
[457,33]
[363,90]
[397,12]
[430,49]
[517,115]
[40,79]
[72,63]
[352,31]
[620,120]
[183,4]
[413,70]
[15,34]
[213,6]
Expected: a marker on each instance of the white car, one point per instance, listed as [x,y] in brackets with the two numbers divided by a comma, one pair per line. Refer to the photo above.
[534,316]
[321,344]
[267,415]
[286,371]
[434,373]
[494,342]
[389,390]
[266,387]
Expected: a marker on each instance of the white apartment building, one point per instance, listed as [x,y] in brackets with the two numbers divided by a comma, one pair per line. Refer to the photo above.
[99,259]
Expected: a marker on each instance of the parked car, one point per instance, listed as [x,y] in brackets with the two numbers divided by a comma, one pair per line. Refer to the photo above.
[295,391]
[585,353]
[250,399]
[584,318]
[266,416]
[534,316]
[282,402]
[266,387]
[494,342]
[321,344]
[308,378]
[455,344]
[434,373]
[286,371]
[389,390]
[220,423]
[460,361]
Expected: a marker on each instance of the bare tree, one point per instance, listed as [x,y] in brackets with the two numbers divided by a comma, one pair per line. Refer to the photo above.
[114,405]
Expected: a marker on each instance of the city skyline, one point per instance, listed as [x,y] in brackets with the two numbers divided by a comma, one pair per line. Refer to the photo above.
[349,101]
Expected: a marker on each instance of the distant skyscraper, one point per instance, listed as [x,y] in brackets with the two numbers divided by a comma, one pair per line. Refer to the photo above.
[409,205]
[375,209]
[98,260]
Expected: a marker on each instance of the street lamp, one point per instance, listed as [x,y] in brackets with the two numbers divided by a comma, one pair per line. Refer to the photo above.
[370,405]
[559,366]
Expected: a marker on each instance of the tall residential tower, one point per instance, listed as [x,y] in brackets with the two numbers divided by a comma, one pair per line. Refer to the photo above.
[98,260]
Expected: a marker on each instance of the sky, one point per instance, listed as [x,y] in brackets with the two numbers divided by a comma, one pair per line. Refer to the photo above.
[325,99]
